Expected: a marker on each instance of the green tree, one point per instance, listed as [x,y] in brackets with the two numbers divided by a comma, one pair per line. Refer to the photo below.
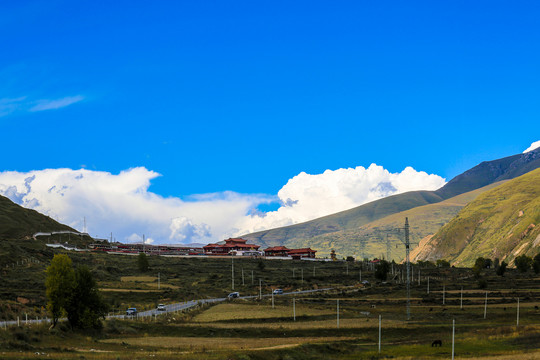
[86,306]
[536,263]
[523,263]
[142,262]
[501,269]
[59,283]
[381,270]
[443,263]
[479,264]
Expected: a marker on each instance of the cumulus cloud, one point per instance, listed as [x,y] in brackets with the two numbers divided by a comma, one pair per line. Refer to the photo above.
[306,197]
[534,145]
[56,104]
[122,204]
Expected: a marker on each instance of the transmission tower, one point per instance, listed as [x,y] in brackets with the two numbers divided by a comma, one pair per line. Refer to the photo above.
[388,247]
[407,251]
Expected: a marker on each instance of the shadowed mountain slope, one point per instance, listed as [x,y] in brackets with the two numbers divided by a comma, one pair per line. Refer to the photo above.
[17,222]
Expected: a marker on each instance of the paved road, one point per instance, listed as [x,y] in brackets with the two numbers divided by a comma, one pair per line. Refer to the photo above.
[168,308]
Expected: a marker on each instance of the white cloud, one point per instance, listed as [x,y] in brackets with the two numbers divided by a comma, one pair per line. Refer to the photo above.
[121,203]
[534,145]
[9,105]
[306,197]
[56,104]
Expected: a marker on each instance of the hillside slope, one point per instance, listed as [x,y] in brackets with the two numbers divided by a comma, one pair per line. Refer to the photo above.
[501,223]
[481,175]
[17,222]
[370,240]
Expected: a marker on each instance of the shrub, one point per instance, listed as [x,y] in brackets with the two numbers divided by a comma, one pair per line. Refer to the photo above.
[381,271]
[501,269]
[523,263]
[536,263]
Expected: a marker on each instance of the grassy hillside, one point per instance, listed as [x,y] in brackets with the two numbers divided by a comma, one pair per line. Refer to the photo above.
[17,222]
[342,221]
[342,230]
[501,223]
[369,240]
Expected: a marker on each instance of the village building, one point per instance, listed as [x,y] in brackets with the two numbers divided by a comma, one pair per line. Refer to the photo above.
[302,253]
[277,251]
[231,245]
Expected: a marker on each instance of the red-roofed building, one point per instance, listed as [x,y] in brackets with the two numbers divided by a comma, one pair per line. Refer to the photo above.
[302,253]
[277,251]
[230,245]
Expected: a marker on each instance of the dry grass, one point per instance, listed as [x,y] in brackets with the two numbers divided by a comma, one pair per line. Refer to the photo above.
[141,278]
[218,343]
[306,325]
[128,290]
[235,312]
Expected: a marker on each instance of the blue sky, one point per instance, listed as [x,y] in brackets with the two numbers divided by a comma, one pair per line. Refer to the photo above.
[243,96]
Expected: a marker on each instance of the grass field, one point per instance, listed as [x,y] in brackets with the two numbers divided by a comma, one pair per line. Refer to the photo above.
[253,329]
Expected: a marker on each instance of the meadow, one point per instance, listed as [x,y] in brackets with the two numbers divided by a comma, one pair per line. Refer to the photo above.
[254,329]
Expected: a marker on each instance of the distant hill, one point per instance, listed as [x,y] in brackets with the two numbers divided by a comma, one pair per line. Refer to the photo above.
[17,222]
[318,232]
[370,240]
[503,223]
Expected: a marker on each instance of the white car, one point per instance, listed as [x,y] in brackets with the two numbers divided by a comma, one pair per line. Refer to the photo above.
[278,292]
[233,295]
[161,307]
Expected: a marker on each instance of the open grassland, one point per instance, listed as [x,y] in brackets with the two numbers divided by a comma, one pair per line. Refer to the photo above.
[300,327]
[254,329]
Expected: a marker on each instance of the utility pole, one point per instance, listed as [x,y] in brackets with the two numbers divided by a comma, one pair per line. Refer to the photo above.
[485,307]
[388,247]
[453,336]
[143,244]
[260,289]
[407,251]
[379,334]
[232,271]
[337,312]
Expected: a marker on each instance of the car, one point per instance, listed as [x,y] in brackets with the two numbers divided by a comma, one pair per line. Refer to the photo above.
[277,292]
[234,295]
[161,307]
[131,311]
[365,282]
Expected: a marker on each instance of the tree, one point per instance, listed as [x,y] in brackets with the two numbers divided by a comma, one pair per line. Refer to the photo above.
[381,271]
[85,305]
[523,263]
[443,263]
[59,284]
[536,263]
[501,268]
[479,264]
[142,262]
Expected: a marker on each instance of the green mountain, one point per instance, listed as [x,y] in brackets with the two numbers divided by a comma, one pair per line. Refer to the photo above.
[503,223]
[343,230]
[17,222]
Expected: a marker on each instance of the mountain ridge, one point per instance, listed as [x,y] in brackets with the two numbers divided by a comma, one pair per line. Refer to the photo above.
[481,175]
